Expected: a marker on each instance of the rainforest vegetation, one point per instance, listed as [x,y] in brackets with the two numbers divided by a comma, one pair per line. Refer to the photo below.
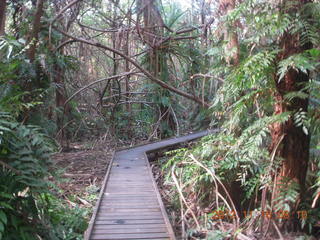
[116,73]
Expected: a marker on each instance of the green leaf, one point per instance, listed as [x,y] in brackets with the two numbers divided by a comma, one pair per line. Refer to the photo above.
[6,205]
[3,217]
[14,221]
[1,227]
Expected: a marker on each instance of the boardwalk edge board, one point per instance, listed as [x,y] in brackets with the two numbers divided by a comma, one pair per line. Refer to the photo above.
[162,207]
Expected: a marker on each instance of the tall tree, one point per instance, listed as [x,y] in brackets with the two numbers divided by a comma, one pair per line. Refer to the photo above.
[153,32]
[289,141]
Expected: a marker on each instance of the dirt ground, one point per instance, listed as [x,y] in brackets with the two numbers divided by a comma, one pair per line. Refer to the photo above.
[83,169]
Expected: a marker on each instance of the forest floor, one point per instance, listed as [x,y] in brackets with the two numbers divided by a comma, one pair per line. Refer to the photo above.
[83,169]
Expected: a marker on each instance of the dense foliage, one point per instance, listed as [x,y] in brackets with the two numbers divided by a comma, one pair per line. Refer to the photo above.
[30,207]
[237,164]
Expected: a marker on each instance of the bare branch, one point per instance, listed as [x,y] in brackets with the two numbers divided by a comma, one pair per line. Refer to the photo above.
[95,82]
[64,43]
[63,10]
[138,66]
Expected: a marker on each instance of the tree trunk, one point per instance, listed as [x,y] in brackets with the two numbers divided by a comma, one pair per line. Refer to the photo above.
[60,102]
[295,143]
[3,5]
[127,68]
[115,84]
[232,50]
[33,38]
[153,27]
[230,36]
[294,148]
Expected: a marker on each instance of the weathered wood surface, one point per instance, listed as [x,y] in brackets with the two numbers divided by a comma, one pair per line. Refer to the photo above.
[130,206]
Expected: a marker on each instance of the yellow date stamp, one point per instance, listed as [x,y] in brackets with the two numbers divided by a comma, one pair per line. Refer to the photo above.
[280,214]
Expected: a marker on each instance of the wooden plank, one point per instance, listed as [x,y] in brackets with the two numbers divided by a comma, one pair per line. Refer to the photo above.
[131,172]
[130,221]
[117,199]
[129,197]
[129,210]
[128,194]
[129,186]
[116,236]
[125,214]
[113,199]
[131,230]
[128,183]
[129,217]
[129,177]
[128,174]
[130,189]
[126,205]
[131,226]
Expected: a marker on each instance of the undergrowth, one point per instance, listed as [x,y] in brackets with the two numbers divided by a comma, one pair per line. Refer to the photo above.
[30,207]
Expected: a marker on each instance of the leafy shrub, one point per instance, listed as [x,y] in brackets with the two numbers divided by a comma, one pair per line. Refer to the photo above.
[28,209]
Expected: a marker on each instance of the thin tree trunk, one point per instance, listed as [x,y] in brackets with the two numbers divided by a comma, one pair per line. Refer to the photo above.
[33,38]
[60,102]
[232,58]
[127,68]
[230,35]
[3,5]
[114,84]
[153,23]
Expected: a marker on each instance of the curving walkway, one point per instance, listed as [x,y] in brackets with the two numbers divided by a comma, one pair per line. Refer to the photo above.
[130,206]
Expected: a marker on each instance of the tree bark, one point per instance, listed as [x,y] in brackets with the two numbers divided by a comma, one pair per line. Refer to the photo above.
[232,50]
[154,25]
[127,87]
[295,143]
[36,25]
[3,6]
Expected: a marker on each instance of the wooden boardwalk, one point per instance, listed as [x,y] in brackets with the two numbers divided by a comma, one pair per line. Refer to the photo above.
[130,206]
